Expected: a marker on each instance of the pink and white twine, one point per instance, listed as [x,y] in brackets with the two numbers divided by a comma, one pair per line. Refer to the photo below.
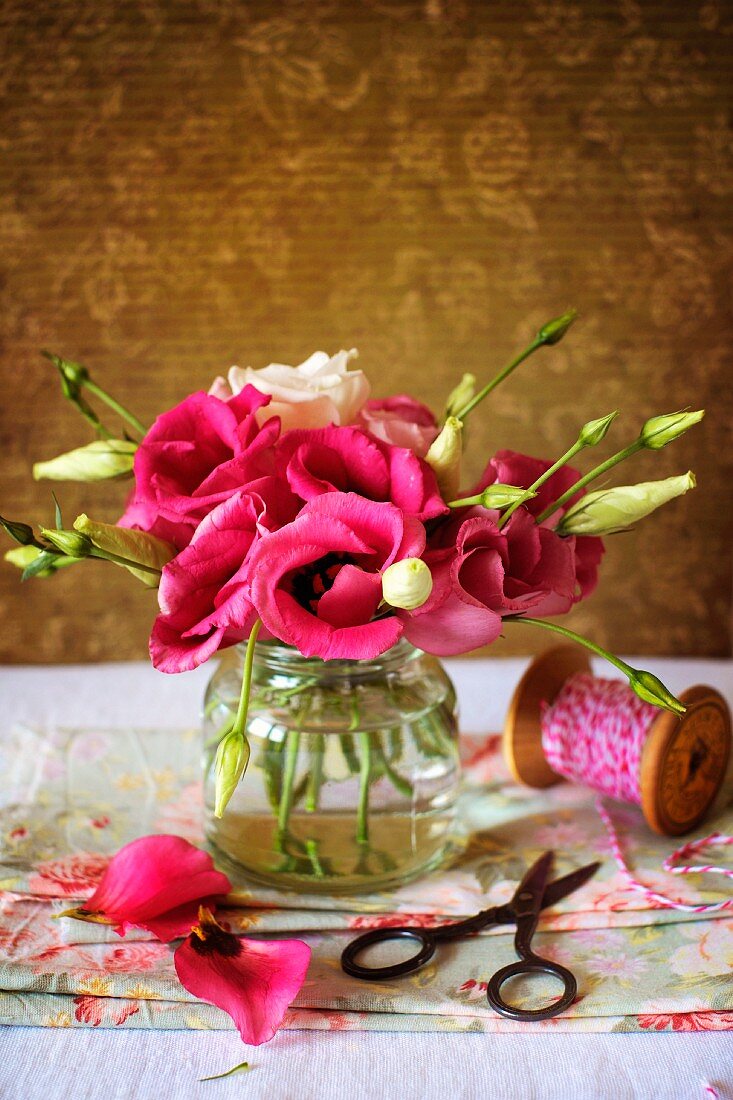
[594,734]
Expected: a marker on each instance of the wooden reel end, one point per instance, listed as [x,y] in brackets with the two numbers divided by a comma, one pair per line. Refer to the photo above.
[541,683]
[684,762]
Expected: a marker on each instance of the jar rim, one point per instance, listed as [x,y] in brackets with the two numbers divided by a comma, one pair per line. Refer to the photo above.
[275,654]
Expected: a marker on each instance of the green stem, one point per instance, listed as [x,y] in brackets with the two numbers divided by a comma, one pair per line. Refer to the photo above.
[105,555]
[311,848]
[398,781]
[315,777]
[241,716]
[597,471]
[507,370]
[286,799]
[645,684]
[562,461]
[115,405]
[365,774]
[573,637]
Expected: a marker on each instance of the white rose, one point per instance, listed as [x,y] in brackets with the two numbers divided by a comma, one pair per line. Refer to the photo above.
[319,392]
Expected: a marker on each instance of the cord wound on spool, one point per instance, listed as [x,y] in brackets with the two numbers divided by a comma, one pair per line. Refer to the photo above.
[673,767]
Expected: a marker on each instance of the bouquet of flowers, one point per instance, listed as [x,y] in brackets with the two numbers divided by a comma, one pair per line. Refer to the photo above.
[287,504]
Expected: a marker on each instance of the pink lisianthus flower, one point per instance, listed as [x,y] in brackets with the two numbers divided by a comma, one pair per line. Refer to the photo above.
[348,460]
[316,583]
[513,468]
[204,591]
[194,457]
[254,981]
[482,573]
[401,421]
[156,883]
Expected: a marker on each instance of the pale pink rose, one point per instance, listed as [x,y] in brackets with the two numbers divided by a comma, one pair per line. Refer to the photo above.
[401,421]
[318,392]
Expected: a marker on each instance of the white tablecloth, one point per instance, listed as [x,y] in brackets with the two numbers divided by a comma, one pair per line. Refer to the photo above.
[38,1064]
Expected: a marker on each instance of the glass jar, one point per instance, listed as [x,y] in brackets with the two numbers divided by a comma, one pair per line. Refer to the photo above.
[353,772]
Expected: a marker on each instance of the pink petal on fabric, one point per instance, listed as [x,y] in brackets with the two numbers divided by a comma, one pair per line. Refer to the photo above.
[254,981]
[153,876]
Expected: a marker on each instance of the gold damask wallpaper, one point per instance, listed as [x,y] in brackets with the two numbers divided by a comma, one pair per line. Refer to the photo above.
[188,184]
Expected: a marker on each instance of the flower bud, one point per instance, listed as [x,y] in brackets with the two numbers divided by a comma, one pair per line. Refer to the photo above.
[70,543]
[460,395]
[72,374]
[553,331]
[136,547]
[232,757]
[19,532]
[661,430]
[651,689]
[98,461]
[594,431]
[444,457]
[501,496]
[407,584]
[610,510]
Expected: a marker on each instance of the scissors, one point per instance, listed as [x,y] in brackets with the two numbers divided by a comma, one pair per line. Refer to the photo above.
[533,894]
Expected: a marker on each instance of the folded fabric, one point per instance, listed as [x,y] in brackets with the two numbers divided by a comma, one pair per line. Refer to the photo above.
[74,797]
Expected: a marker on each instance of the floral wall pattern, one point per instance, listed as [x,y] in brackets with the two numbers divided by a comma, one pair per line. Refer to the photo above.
[193,183]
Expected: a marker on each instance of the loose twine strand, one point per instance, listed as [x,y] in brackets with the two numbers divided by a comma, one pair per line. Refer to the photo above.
[594,734]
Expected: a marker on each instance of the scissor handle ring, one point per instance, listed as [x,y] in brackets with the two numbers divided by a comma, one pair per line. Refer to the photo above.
[381,935]
[535,965]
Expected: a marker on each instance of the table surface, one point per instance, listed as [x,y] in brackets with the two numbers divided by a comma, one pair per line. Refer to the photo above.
[308,1065]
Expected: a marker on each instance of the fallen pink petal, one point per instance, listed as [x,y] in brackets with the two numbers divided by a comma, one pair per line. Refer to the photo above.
[156,883]
[254,981]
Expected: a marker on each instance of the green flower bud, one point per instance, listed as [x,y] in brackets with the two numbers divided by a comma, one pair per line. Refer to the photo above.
[610,510]
[98,461]
[73,375]
[70,543]
[460,395]
[232,757]
[650,688]
[501,496]
[661,430]
[135,548]
[19,532]
[407,584]
[553,331]
[592,433]
[445,455]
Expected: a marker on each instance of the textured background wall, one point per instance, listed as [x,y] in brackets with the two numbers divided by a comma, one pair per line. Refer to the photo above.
[192,183]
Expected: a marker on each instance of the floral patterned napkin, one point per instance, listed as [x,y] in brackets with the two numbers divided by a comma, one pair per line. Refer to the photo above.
[74,797]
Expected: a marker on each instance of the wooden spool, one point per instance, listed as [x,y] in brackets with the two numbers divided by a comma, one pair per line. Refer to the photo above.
[683,761]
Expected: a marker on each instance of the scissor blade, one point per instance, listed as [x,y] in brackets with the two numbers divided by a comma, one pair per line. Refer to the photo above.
[561,887]
[529,896]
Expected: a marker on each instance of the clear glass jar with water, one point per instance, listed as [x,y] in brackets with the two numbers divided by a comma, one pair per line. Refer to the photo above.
[353,774]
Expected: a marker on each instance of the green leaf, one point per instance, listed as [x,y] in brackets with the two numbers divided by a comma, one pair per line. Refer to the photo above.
[102,460]
[43,564]
[57,512]
[228,1073]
